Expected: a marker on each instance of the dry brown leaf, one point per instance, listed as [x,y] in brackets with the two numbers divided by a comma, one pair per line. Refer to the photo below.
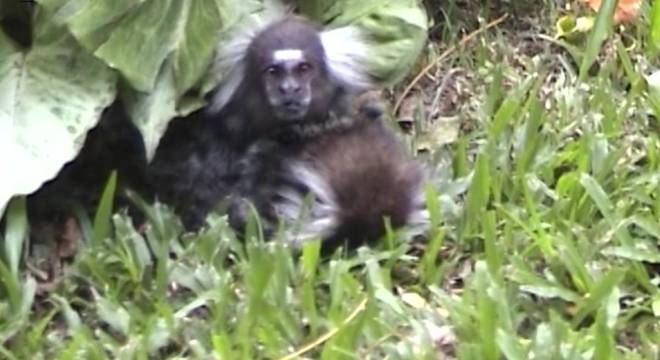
[626,10]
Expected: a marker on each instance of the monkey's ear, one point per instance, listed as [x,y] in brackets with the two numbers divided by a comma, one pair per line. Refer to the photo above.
[347,57]
[228,66]
[229,63]
[227,88]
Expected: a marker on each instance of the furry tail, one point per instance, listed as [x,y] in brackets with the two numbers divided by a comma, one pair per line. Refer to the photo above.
[350,187]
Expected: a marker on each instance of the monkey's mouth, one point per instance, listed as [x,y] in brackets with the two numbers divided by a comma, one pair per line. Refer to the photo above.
[292,110]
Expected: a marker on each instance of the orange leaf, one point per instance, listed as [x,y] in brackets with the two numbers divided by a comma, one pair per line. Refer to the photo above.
[626,10]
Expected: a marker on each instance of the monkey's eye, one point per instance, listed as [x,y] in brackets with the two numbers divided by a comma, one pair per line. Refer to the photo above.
[304,68]
[273,70]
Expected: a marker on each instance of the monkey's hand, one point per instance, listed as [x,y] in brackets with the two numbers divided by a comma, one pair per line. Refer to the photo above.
[370,106]
[258,172]
[241,210]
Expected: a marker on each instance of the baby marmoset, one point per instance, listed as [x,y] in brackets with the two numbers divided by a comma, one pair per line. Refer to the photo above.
[344,176]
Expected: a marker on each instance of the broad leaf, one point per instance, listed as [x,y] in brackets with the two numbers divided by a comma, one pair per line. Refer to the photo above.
[162,47]
[138,36]
[152,111]
[50,96]
[395,31]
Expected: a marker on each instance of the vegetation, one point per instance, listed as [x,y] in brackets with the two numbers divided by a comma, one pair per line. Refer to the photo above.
[545,240]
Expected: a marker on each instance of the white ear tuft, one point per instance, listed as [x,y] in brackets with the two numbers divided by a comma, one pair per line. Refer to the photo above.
[232,75]
[228,63]
[346,56]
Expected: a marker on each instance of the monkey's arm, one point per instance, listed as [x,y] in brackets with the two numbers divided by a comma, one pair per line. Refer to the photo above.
[260,171]
[194,169]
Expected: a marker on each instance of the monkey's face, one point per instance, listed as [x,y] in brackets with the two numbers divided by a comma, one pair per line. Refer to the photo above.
[287,79]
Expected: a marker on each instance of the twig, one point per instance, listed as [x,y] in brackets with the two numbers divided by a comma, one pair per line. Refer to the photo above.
[443,56]
[328,334]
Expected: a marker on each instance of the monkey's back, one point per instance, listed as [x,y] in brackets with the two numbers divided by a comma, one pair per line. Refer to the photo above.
[370,178]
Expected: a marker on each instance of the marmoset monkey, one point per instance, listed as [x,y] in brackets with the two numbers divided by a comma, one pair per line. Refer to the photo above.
[350,162]
[288,73]
[345,176]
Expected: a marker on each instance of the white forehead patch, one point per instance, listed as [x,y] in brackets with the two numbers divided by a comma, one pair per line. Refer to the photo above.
[287,55]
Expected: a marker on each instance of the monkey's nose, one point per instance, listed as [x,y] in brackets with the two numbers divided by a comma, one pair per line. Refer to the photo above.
[289,88]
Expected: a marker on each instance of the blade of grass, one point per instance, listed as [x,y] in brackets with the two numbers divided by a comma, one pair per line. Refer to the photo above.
[7,354]
[626,63]
[508,344]
[478,194]
[85,223]
[430,269]
[655,27]
[459,161]
[509,109]
[535,118]
[15,233]
[597,295]
[605,206]
[574,262]
[599,33]
[487,322]
[222,345]
[535,222]
[311,254]
[493,256]
[532,283]
[103,217]
[494,95]
[12,287]
[604,340]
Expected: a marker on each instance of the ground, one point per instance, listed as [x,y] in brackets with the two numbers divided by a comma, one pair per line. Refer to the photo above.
[545,240]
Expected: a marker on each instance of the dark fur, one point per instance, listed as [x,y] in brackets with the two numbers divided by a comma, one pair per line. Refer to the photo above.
[360,159]
[193,168]
[196,164]
[363,165]
[370,177]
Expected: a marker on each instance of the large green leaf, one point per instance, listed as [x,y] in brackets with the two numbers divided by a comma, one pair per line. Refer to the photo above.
[138,36]
[394,30]
[152,111]
[162,47]
[50,96]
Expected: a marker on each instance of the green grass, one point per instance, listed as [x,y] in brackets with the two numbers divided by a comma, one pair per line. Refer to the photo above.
[545,240]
